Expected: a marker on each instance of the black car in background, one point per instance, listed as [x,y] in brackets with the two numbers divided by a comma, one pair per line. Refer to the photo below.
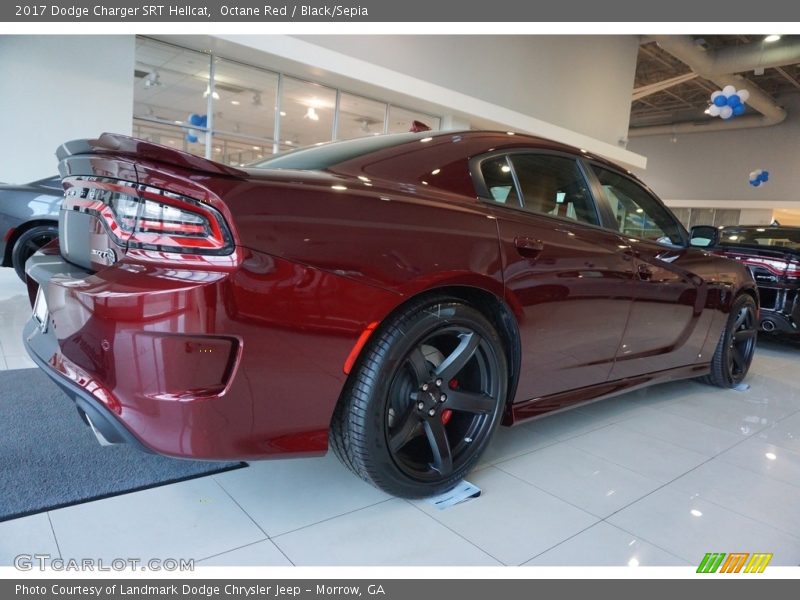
[772,252]
[28,219]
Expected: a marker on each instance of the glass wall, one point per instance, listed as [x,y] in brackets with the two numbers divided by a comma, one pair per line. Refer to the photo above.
[719,217]
[189,99]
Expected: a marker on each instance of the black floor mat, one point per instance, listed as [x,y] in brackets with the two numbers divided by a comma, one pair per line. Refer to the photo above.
[49,458]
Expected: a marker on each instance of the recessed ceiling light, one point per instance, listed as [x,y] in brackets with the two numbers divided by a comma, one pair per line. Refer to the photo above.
[283,113]
[256,147]
[771,455]
[235,102]
[772,38]
[695,513]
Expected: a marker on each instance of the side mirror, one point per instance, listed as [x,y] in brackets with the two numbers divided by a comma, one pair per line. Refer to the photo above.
[703,236]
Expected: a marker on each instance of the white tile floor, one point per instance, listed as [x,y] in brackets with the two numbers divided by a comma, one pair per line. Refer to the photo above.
[655,477]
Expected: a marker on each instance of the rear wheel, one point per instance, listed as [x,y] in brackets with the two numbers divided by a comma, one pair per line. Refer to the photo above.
[28,243]
[423,400]
[736,346]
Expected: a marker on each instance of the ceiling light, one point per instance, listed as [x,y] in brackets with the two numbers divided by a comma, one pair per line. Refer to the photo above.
[311,113]
[178,122]
[256,147]
[633,562]
[235,102]
[771,455]
[772,38]
[696,513]
[283,113]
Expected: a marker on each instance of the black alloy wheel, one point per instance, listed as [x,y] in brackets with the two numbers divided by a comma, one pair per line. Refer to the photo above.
[423,400]
[737,345]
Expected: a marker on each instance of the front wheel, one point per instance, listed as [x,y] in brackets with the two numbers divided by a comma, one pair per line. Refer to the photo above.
[423,400]
[737,344]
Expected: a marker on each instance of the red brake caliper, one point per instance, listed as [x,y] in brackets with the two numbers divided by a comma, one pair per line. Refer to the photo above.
[447,414]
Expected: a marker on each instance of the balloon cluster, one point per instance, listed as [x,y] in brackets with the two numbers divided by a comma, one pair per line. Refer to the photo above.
[758,177]
[197,121]
[728,102]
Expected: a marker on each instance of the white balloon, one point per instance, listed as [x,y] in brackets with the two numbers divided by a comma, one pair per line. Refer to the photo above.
[713,110]
[715,94]
[726,112]
[728,91]
[743,95]
[753,175]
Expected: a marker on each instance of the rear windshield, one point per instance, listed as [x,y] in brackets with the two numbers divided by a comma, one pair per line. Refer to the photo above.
[761,236]
[333,153]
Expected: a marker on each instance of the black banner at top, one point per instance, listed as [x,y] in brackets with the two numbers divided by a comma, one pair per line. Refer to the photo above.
[266,11]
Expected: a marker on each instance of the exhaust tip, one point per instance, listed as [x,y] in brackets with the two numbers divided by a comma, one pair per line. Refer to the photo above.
[767,325]
[100,437]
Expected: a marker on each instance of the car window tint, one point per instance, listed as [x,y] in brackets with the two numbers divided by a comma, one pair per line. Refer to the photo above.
[554,185]
[499,181]
[639,214]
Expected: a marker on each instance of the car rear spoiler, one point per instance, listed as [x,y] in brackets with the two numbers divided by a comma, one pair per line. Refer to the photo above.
[123,145]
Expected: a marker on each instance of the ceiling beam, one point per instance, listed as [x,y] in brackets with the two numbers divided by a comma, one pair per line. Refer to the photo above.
[652,88]
[788,77]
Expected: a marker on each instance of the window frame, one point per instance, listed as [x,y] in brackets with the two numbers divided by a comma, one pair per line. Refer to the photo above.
[485,197]
[608,210]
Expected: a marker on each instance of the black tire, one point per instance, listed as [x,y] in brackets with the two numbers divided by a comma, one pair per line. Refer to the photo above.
[28,243]
[737,344]
[423,399]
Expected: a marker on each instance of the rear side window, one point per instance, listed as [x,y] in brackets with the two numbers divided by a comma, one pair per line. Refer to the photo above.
[554,185]
[499,181]
[540,183]
[639,214]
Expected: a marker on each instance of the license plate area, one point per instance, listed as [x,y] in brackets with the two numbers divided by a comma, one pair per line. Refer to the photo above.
[40,311]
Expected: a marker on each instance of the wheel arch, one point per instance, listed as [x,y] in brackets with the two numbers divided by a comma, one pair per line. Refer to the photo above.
[22,228]
[491,306]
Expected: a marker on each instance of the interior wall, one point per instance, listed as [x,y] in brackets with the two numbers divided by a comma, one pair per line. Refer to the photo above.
[715,166]
[582,83]
[59,88]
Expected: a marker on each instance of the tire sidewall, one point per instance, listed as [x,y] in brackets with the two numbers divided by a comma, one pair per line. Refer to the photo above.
[17,260]
[727,335]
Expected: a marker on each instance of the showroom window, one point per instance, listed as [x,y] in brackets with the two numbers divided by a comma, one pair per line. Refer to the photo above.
[718,217]
[238,114]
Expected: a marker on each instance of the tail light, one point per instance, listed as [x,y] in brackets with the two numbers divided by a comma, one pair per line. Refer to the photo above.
[144,217]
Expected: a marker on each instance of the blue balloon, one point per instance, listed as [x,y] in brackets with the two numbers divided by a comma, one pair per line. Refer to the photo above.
[734,100]
[720,100]
[764,176]
[198,120]
[755,183]
[739,109]
[192,139]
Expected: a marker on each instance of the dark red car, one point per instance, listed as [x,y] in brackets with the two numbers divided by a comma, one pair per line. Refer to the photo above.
[395,296]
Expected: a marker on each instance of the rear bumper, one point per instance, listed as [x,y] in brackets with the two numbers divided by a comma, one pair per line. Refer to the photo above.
[780,309]
[242,363]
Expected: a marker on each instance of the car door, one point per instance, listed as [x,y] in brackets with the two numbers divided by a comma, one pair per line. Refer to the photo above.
[567,276]
[667,325]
